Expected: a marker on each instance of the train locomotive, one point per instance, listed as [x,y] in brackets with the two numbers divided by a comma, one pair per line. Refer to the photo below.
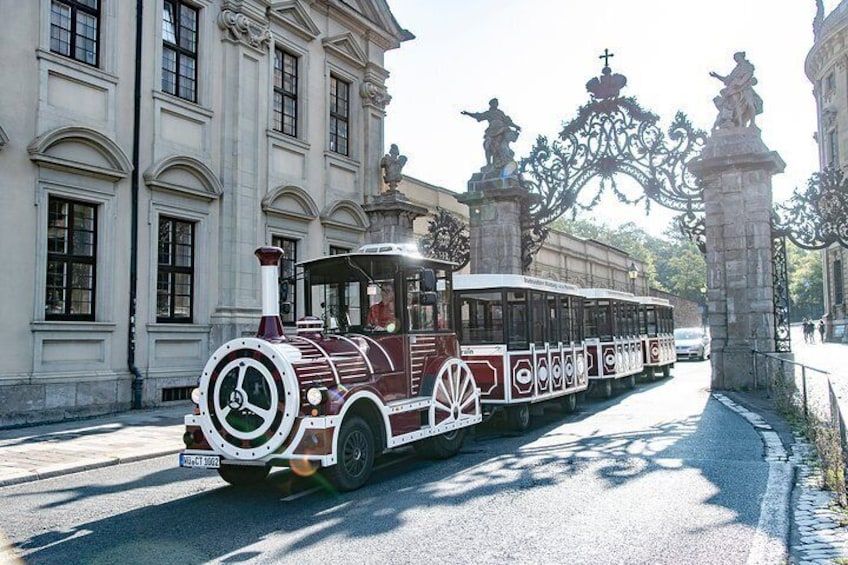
[345,388]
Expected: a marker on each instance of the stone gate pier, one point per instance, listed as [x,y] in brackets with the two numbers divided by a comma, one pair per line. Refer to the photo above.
[735,168]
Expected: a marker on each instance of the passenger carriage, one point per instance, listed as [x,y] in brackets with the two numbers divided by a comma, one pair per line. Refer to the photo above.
[613,340]
[656,322]
[522,337]
[341,391]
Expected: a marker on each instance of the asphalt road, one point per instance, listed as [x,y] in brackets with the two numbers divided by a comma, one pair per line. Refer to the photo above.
[661,474]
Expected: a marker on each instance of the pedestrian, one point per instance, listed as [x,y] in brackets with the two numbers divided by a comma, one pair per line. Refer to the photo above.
[822,329]
[807,326]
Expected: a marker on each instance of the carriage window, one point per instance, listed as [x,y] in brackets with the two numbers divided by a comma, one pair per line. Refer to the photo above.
[539,315]
[481,318]
[565,315]
[578,313]
[553,317]
[517,320]
[590,319]
[652,314]
[604,320]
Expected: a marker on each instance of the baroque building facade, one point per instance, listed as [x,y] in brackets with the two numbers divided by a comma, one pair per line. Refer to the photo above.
[826,67]
[147,149]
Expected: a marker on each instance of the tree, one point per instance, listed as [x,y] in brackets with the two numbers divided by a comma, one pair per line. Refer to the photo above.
[805,282]
[672,263]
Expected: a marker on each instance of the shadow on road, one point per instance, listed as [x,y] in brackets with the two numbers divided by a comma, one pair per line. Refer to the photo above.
[227,523]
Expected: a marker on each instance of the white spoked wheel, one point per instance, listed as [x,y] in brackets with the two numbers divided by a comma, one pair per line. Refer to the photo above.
[456,398]
[454,406]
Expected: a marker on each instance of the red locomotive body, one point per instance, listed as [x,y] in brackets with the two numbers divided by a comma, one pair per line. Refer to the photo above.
[349,385]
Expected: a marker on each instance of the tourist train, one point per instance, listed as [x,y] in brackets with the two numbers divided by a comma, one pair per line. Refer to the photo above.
[395,349]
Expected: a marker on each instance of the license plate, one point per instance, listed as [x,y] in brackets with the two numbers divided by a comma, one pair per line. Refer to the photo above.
[200,461]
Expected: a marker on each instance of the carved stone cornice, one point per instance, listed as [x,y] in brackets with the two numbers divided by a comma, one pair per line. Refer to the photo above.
[826,52]
[375,95]
[240,28]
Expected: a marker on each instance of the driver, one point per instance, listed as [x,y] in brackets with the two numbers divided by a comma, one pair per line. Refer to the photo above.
[382,314]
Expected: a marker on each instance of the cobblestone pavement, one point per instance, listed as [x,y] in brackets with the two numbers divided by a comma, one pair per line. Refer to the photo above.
[821,525]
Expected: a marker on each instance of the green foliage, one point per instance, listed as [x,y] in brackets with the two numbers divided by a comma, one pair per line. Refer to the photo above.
[805,280]
[672,263]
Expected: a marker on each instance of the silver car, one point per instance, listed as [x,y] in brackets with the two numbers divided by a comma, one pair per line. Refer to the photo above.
[692,343]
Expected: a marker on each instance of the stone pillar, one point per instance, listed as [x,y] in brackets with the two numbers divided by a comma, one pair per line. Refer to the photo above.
[494,212]
[246,40]
[735,168]
[375,98]
[392,215]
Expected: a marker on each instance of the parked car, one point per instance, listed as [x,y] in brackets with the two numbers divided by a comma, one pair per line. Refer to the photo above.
[692,343]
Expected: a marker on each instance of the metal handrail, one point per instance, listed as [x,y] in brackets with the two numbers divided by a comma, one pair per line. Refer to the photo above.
[804,368]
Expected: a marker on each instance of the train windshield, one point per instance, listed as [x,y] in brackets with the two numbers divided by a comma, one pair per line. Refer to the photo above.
[379,293]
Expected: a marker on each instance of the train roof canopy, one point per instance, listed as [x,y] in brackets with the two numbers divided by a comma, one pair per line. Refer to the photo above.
[607,293]
[494,281]
[367,267]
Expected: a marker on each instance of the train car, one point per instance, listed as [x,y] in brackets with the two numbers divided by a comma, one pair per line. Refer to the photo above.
[656,324]
[612,336]
[375,365]
[522,337]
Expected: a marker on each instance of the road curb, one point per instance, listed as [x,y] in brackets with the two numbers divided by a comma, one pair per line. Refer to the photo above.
[771,540]
[33,476]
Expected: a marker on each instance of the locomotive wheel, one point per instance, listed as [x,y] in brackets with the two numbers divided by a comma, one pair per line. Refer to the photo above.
[518,417]
[568,403]
[243,475]
[355,455]
[441,446]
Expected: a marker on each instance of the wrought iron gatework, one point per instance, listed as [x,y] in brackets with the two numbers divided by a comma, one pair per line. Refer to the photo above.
[816,217]
[613,135]
[782,342]
[447,238]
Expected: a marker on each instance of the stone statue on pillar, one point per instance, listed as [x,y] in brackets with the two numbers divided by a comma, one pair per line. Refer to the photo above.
[496,139]
[737,103]
[392,164]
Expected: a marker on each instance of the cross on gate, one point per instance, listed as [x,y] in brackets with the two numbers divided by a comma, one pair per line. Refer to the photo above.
[606,57]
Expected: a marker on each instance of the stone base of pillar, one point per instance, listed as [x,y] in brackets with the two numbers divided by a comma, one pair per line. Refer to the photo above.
[392,215]
[494,211]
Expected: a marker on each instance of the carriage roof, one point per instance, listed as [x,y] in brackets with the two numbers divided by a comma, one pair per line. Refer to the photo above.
[369,263]
[654,300]
[609,294]
[495,281]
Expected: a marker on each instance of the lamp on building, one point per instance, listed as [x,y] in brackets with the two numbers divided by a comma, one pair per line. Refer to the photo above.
[632,273]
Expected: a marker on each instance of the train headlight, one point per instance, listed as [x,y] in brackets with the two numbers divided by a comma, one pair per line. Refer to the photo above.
[195,396]
[316,395]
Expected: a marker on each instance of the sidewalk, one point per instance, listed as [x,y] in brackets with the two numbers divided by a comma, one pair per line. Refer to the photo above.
[39,452]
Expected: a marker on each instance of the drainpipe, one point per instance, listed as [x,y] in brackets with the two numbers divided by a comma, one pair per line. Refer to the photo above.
[137,377]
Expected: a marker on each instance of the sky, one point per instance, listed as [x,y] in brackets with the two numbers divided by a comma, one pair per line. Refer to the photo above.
[536,56]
